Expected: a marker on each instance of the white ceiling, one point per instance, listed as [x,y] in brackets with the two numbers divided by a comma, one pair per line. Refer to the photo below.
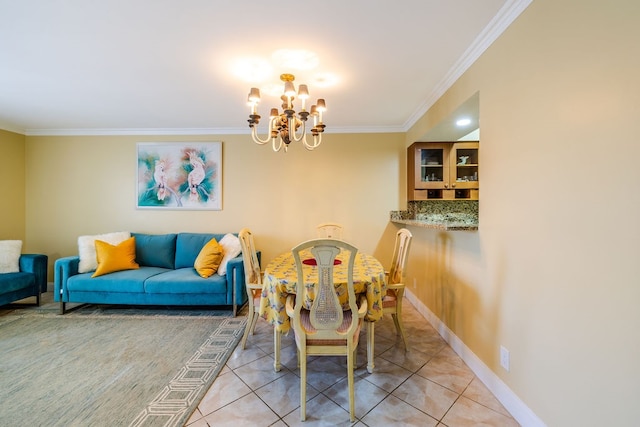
[165,66]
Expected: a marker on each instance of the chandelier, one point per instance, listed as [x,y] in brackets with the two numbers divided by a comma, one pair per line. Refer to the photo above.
[287,126]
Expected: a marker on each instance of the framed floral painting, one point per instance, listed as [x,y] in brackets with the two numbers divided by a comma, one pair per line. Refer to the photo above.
[185,175]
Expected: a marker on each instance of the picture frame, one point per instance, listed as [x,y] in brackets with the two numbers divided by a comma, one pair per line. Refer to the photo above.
[179,175]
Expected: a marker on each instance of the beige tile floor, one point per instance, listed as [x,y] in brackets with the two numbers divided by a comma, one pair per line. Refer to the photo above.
[427,386]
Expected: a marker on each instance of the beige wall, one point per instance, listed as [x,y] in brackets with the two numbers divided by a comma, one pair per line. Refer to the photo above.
[86,185]
[552,272]
[12,187]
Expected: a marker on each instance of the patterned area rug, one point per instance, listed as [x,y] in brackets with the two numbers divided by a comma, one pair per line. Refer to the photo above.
[110,365]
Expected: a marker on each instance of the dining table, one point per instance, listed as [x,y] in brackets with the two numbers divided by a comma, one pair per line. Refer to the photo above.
[281,278]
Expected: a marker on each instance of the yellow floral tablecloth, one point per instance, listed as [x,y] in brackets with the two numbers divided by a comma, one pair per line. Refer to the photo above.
[280,280]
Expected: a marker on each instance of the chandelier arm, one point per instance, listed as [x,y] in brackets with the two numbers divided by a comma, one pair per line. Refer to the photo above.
[306,145]
[317,140]
[279,145]
[256,138]
[292,130]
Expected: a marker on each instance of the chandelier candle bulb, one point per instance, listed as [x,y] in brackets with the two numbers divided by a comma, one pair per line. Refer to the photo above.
[320,106]
[253,99]
[303,94]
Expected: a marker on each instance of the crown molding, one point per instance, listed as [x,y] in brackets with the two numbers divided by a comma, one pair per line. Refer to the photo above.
[191,131]
[500,22]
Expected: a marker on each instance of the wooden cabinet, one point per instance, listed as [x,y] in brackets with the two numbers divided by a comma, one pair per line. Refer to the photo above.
[442,170]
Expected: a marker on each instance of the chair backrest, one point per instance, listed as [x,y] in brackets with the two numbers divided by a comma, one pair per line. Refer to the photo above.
[329,230]
[249,257]
[326,313]
[400,252]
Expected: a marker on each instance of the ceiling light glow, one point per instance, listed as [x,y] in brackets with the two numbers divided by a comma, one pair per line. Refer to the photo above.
[272,89]
[324,79]
[463,122]
[295,59]
[252,70]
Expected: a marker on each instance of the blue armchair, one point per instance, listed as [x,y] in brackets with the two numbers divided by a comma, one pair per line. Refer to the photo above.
[30,281]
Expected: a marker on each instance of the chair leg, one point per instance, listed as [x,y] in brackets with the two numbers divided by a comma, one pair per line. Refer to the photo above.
[252,319]
[370,346]
[254,322]
[246,330]
[276,350]
[350,381]
[397,318]
[400,329]
[303,387]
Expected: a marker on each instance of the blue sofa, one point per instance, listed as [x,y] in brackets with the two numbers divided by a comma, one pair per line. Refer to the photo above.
[30,281]
[166,277]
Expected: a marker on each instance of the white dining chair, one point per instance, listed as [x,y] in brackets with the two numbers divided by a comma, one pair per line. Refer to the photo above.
[330,230]
[253,281]
[325,329]
[392,301]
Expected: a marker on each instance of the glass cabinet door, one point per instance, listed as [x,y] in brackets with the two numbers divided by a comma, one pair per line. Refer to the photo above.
[432,165]
[464,161]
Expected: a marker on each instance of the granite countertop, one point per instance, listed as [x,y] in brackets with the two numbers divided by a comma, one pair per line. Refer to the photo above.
[445,225]
[447,221]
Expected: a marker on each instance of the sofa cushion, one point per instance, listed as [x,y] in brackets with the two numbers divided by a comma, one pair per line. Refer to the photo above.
[127,281]
[87,248]
[118,257]
[10,282]
[156,250]
[10,256]
[185,281]
[189,245]
[209,259]
[232,249]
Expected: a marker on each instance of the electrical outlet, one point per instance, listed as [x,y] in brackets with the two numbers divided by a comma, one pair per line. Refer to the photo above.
[504,358]
[414,283]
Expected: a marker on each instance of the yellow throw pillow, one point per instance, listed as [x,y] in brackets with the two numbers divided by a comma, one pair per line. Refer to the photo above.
[115,258]
[209,259]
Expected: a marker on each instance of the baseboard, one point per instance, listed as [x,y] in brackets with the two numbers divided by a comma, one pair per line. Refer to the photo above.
[512,403]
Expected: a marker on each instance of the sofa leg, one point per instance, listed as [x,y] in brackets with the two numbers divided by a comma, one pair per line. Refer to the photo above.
[62,307]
